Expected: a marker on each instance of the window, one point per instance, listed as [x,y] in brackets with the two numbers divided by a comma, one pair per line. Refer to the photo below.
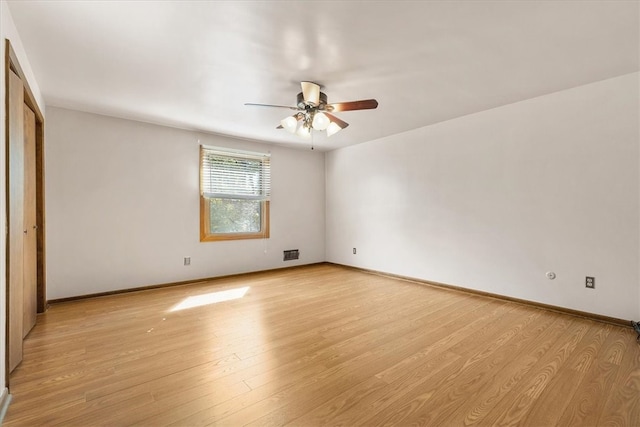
[234,194]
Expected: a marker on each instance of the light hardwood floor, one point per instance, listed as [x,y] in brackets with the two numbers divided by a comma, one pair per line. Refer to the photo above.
[322,345]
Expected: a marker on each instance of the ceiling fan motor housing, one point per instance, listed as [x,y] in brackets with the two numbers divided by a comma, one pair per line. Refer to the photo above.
[309,105]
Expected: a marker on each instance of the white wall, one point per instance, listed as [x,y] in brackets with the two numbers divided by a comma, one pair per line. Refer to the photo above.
[8,31]
[122,203]
[493,200]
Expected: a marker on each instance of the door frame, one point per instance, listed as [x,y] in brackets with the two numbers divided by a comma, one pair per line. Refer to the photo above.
[12,64]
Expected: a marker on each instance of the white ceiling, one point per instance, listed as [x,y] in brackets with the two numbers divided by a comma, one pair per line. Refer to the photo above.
[193,64]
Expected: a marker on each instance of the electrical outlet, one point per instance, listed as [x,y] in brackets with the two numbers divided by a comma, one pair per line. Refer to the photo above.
[187,260]
[354,251]
[590,282]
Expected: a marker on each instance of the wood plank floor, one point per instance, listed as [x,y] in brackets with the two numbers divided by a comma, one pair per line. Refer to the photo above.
[321,345]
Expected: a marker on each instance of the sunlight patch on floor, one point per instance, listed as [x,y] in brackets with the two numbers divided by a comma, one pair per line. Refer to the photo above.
[210,298]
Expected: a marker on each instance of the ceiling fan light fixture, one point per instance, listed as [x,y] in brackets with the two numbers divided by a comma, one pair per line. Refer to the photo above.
[290,123]
[333,128]
[304,132]
[320,121]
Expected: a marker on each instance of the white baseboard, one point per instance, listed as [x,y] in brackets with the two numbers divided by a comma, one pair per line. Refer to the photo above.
[5,399]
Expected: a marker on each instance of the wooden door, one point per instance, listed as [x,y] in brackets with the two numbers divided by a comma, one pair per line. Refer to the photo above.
[30,258]
[16,219]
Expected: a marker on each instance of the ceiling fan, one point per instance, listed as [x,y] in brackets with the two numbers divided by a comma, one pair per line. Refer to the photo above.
[313,112]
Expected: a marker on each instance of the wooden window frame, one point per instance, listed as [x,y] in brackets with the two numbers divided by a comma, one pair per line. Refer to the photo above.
[205,232]
[207,236]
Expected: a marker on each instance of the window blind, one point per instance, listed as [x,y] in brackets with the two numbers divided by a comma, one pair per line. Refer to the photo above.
[234,174]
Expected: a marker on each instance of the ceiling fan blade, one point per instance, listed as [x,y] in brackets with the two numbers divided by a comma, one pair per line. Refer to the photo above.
[279,127]
[365,104]
[311,93]
[337,121]
[271,105]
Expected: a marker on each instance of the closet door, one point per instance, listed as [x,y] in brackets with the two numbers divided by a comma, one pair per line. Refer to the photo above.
[15,220]
[30,255]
